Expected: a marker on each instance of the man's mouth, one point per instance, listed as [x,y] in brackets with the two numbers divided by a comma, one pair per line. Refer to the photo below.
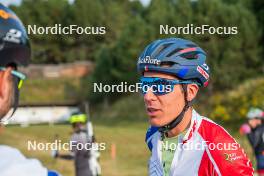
[152,111]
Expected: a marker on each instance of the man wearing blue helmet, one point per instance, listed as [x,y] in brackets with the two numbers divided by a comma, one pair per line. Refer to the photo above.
[181,141]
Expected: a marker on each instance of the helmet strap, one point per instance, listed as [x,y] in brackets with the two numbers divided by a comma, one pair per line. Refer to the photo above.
[166,128]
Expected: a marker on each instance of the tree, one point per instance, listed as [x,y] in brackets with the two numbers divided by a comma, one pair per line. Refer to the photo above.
[233,58]
[117,63]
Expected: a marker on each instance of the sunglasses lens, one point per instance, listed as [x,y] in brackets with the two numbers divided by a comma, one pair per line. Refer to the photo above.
[161,89]
[143,92]
[158,86]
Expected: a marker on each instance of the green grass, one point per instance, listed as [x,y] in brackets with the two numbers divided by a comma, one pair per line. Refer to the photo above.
[131,152]
[123,123]
[50,90]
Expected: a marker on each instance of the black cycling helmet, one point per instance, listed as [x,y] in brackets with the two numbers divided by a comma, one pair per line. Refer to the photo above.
[14,43]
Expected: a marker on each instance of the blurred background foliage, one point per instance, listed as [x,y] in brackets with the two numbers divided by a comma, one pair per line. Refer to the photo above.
[236,61]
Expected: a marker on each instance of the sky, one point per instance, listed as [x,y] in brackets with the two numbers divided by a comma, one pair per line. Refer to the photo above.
[7,2]
[17,2]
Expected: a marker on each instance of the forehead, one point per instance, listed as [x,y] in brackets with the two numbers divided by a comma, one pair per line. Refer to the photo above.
[254,119]
[159,75]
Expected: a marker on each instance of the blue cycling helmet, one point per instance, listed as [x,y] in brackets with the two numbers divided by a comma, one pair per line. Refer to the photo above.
[182,58]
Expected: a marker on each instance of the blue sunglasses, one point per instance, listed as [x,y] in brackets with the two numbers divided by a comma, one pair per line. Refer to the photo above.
[159,86]
[21,77]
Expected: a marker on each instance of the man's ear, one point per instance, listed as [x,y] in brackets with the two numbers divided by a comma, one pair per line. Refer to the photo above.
[6,91]
[192,90]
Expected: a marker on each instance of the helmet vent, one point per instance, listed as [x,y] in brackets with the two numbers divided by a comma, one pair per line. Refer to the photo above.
[191,45]
[162,48]
[190,56]
[167,64]
[166,46]
[174,52]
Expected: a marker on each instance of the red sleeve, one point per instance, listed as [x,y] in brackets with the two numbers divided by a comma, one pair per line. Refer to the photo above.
[223,153]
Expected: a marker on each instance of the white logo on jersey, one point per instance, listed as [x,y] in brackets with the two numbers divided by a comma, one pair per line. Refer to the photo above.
[13,35]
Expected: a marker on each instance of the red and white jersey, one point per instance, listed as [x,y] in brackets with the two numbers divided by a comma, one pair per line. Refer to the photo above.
[207,149]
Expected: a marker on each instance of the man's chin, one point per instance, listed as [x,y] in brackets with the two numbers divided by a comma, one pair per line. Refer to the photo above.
[155,121]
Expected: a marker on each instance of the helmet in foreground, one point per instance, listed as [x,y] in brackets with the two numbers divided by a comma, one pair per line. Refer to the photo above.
[14,43]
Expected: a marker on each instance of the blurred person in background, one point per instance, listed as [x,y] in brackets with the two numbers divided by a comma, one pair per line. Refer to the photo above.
[181,141]
[14,51]
[254,129]
[85,159]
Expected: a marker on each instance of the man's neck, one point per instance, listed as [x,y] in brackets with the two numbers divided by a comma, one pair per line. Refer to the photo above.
[183,125]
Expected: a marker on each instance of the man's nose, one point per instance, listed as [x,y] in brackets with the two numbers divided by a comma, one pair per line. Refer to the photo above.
[149,96]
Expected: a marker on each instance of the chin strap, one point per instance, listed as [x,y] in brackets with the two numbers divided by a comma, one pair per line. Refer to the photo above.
[166,128]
